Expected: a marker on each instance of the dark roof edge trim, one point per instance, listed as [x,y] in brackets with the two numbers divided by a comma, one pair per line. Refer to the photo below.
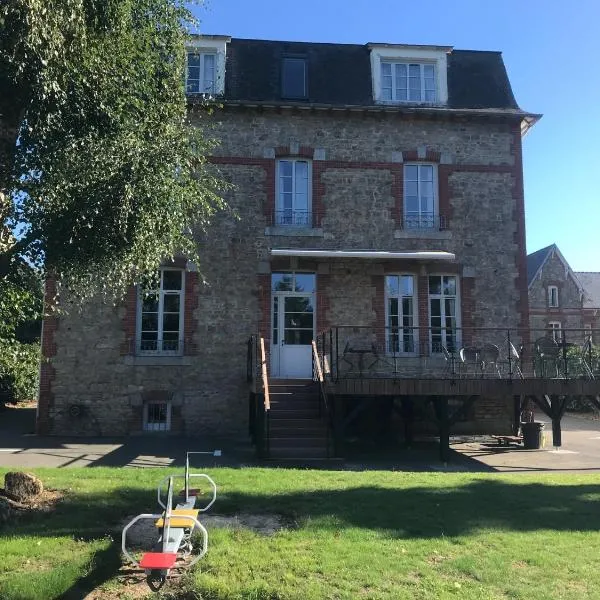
[532,118]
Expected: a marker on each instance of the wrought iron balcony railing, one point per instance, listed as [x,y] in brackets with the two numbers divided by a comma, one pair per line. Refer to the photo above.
[293,218]
[428,221]
[158,347]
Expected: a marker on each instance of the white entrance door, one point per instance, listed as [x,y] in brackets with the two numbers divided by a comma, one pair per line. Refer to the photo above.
[293,327]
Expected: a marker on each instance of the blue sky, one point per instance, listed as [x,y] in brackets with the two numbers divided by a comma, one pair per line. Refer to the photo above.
[549,49]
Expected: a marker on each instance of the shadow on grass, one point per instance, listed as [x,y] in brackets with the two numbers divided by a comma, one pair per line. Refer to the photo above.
[432,512]
[82,517]
[409,512]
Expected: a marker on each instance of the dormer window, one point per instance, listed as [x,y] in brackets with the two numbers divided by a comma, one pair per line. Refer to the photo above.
[408,82]
[201,70]
[205,65]
[409,74]
[294,78]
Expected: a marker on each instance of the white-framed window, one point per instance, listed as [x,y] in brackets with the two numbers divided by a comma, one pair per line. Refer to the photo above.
[201,72]
[444,312]
[400,307]
[293,203]
[420,196]
[588,333]
[408,82]
[553,296]
[157,416]
[556,329]
[160,314]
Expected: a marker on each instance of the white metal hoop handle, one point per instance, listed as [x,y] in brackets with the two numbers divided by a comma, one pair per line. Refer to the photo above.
[214,489]
[124,535]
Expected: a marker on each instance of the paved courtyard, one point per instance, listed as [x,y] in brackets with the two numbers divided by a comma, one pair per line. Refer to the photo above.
[580,449]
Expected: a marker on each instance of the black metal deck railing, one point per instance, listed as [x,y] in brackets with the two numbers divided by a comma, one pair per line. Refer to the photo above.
[456,352]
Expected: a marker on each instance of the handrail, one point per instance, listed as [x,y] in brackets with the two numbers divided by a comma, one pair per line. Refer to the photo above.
[322,390]
[263,368]
[317,362]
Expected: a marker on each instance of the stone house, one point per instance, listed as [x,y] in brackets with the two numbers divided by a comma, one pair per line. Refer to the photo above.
[561,299]
[376,186]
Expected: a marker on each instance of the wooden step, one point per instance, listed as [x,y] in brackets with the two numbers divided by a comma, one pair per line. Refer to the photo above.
[298,453]
[294,413]
[294,405]
[298,442]
[298,423]
[315,431]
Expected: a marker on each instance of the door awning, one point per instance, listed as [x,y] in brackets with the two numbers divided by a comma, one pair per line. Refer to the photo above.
[365,254]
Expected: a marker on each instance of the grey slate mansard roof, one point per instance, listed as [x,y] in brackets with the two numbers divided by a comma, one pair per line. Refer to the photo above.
[340,74]
[591,285]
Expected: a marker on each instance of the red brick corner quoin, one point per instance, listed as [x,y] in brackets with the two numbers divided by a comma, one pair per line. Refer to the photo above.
[47,371]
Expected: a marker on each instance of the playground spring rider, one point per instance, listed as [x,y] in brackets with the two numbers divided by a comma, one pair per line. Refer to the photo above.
[175,527]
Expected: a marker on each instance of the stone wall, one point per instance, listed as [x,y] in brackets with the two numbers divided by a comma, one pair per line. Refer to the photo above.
[357,190]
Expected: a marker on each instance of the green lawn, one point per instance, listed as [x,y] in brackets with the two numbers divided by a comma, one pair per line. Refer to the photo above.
[374,534]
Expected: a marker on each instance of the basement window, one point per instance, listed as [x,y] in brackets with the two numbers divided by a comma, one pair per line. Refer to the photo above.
[157,416]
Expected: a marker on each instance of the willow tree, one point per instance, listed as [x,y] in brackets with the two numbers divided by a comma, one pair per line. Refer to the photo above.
[101,175]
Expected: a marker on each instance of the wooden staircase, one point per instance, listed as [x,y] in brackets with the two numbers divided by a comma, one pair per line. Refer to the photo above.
[296,429]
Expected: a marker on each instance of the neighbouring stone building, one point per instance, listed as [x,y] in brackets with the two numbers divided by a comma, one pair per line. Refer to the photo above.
[560,299]
[374,185]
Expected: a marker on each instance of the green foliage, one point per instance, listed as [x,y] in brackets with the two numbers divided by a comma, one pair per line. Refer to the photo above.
[109,176]
[21,307]
[19,367]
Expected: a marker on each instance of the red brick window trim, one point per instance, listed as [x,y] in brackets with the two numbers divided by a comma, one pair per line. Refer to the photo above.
[164,323]
[293,197]
[436,217]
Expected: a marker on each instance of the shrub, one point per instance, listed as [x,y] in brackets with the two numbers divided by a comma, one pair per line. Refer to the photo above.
[19,368]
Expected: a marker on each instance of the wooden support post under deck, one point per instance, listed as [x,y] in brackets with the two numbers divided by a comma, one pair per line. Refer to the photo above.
[338,428]
[558,404]
[517,402]
[441,409]
[407,419]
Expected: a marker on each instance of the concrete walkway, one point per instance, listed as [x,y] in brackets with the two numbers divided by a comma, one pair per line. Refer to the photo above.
[21,448]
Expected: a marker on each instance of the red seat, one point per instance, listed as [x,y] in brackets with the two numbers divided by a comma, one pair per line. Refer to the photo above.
[158,560]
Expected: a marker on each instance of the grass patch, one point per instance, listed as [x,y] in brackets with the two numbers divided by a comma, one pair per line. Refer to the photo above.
[375,534]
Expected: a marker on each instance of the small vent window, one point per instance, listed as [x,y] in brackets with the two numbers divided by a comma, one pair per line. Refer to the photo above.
[293,78]
[157,416]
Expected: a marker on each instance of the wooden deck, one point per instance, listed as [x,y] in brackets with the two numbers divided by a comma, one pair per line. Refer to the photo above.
[463,387]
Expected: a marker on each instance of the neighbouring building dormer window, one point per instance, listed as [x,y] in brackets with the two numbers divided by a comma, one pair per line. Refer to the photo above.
[553,296]
[294,81]
[293,198]
[420,196]
[409,74]
[201,72]
[408,82]
[160,314]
